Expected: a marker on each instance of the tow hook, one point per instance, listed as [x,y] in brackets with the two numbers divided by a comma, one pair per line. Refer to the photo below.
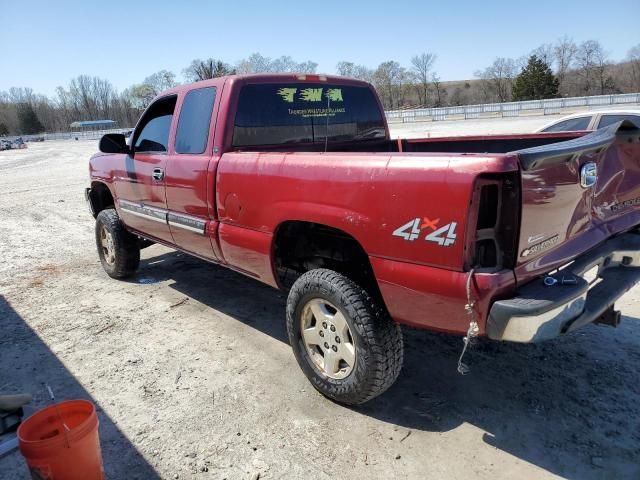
[610,317]
[550,281]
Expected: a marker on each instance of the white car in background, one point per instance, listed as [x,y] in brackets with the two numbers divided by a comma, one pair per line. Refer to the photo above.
[591,120]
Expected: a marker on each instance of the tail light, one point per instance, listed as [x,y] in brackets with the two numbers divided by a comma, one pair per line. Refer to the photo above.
[493,222]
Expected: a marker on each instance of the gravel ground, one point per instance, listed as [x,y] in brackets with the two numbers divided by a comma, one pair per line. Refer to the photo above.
[193,378]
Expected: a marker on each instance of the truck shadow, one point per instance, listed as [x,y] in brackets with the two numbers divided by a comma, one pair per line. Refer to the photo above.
[563,405]
[26,364]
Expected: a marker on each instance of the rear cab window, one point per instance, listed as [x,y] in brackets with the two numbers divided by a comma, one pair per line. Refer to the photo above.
[195,118]
[306,113]
[570,125]
[607,120]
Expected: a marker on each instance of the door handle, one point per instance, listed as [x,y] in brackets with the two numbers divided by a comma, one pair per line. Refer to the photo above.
[158,174]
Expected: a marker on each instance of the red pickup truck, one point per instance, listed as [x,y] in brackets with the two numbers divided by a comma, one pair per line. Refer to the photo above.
[294,180]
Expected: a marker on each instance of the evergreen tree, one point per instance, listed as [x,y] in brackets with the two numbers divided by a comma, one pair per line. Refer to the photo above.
[29,123]
[4,130]
[535,82]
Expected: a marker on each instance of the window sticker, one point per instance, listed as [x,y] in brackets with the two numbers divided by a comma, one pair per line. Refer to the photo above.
[334,94]
[316,112]
[312,95]
[287,94]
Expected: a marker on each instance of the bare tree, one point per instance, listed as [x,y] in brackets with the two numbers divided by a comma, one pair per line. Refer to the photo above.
[160,81]
[81,91]
[206,69]
[458,97]
[545,53]
[346,69]
[307,67]
[593,68]
[350,69]
[21,95]
[8,112]
[422,65]
[104,95]
[257,63]
[564,54]
[440,91]
[497,79]
[633,57]
[139,95]
[388,79]
[128,113]
[47,113]
[288,64]
[64,106]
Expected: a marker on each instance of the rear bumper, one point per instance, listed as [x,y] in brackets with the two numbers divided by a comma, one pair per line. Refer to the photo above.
[538,312]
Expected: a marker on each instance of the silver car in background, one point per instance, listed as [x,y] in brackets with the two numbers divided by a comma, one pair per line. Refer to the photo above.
[592,120]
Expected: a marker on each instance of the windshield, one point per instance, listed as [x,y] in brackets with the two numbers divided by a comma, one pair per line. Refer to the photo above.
[306,113]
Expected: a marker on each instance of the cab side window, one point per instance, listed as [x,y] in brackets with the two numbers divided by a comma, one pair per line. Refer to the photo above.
[607,120]
[570,125]
[195,117]
[152,134]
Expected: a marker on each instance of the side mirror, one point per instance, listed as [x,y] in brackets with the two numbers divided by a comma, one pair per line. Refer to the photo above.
[113,143]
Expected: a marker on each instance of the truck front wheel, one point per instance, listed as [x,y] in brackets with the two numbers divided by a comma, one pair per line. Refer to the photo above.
[346,344]
[118,249]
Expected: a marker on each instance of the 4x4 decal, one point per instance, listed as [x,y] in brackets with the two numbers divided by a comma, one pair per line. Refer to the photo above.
[413,229]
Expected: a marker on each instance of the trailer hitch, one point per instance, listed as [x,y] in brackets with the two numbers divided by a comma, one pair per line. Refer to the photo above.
[609,317]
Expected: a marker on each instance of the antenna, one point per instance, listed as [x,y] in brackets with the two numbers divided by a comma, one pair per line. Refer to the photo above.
[326,129]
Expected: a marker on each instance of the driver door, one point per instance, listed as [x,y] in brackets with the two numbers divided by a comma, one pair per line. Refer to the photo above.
[140,187]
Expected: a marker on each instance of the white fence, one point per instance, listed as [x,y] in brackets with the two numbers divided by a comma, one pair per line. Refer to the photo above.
[79,135]
[82,135]
[511,109]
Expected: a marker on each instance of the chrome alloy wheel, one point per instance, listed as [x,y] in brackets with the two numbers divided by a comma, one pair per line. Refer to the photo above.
[328,339]
[108,249]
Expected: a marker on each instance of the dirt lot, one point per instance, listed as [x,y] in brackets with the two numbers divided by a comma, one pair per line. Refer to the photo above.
[190,368]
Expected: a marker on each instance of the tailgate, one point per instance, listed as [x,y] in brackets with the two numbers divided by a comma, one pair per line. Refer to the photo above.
[575,195]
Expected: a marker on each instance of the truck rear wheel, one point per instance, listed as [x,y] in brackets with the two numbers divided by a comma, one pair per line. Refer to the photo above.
[118,249]
[346,344]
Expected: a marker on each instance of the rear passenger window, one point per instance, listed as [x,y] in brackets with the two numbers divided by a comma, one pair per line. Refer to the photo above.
[570,125]
[607,120]
[195,116]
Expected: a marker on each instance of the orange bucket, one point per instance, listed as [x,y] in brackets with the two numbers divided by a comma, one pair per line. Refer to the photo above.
[55,452]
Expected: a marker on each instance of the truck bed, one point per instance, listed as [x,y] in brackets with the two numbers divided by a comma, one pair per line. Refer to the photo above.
[460,144]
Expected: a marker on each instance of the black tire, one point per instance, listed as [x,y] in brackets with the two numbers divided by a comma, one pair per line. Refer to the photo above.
[126,251]
[377,338]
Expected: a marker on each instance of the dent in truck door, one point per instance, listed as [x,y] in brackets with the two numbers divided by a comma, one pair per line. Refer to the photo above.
[140,186]
[189,184]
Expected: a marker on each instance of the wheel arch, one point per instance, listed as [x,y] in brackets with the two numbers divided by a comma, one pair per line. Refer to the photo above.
[300,246]
[100,197]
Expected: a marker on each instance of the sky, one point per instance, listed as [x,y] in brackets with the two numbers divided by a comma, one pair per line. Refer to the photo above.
[44,44]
